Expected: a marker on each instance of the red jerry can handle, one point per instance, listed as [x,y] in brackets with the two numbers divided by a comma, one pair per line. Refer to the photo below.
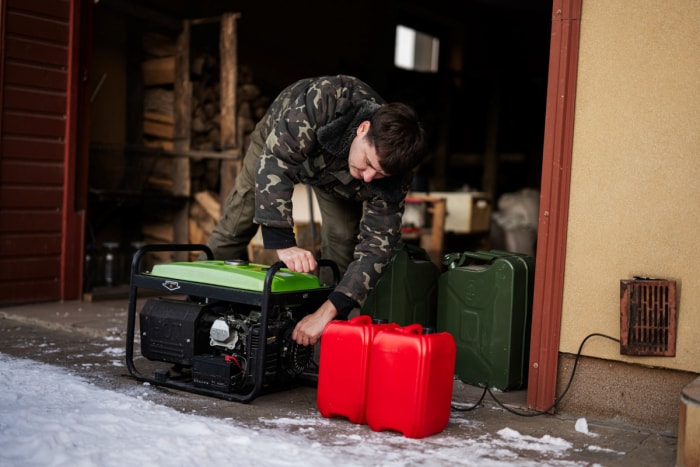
[412,329]
[362,319]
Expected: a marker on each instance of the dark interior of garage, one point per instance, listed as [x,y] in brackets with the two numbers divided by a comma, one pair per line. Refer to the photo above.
[483,106]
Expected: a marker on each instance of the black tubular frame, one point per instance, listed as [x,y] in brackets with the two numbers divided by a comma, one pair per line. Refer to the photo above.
[266,300]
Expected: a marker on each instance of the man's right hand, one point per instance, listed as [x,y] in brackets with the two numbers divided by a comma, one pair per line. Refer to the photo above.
[297,259]
[308,331]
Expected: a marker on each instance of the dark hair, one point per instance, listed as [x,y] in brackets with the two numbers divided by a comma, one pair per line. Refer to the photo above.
[398,138]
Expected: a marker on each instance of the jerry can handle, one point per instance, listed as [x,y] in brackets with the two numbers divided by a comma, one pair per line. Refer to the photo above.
[455,260]
[362,319]
[414,251]
[452,260]
[412,329]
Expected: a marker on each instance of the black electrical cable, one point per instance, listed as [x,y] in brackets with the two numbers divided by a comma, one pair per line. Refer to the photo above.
[467,409]
[557,400]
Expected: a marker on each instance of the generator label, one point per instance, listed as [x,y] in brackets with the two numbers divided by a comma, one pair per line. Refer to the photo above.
[171,285]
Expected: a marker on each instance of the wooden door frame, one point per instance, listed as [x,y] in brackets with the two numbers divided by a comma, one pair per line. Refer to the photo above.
[554,204]
[3,7]
[76,152]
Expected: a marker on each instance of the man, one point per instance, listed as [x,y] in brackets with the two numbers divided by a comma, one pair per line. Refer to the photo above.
[337,135]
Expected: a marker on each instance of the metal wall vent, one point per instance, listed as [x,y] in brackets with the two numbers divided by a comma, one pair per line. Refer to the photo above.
[648,317]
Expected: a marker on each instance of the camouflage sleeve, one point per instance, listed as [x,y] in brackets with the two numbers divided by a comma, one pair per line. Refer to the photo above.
[380,231]
[276,174]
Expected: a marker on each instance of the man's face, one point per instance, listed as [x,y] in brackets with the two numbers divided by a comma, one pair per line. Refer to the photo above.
[363,159]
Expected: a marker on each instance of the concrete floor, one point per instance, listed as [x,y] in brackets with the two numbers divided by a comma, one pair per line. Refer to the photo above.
[74,335]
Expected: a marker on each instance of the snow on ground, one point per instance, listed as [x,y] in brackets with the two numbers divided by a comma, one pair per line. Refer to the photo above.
[49,417]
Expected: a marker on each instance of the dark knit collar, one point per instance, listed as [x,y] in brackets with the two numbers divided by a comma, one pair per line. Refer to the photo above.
[336,137]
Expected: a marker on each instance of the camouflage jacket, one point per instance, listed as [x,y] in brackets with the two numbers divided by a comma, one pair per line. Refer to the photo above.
[308,130]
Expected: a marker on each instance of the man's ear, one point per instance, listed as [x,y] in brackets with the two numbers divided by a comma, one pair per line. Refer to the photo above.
[363,128]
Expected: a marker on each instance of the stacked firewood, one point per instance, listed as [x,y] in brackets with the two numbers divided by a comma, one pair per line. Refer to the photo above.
[205,129]
[204,214]
[158,71]
[205,207]
[206,187]
[252,105]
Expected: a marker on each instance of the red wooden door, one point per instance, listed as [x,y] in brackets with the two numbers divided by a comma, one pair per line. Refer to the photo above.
[42,187]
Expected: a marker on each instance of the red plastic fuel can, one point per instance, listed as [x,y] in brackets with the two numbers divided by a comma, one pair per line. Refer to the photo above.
[410,381]
[343,366]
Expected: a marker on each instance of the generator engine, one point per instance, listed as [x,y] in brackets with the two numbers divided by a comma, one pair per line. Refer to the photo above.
[220,342]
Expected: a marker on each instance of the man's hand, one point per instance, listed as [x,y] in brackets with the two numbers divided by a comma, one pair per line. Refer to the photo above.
[297,259]
[310,328]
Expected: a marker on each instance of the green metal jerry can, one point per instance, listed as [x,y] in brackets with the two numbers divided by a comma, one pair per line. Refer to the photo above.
[485,302]
[407,291]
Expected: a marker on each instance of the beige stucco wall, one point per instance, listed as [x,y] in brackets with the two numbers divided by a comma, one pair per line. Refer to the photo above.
[635,187]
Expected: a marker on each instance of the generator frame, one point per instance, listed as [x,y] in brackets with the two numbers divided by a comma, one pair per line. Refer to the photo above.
[266,300]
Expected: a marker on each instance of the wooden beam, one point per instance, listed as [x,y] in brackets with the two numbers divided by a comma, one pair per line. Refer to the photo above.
[229,81]
[183,113]
[230,137]
[181,143]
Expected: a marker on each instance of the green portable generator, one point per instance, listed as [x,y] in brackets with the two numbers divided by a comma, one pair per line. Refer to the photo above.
[221,328]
